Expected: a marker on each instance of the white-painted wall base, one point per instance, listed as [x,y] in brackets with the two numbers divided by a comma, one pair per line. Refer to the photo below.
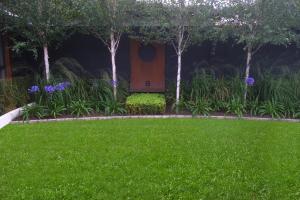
[10,116]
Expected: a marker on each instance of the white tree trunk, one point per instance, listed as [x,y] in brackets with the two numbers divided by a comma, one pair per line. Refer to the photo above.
[249,57]
[113,63]
[46,61]
[178,81]
[179,49]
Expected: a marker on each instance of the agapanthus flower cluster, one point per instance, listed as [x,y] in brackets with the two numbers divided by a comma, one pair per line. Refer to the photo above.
[50,88]
[250,81]
[60,87]
[34,89]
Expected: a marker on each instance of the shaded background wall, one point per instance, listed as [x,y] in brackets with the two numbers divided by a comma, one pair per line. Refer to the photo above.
[220,59]
[2,72]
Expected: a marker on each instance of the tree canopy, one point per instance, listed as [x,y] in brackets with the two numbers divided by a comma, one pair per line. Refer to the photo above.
[179,23]
[39,23]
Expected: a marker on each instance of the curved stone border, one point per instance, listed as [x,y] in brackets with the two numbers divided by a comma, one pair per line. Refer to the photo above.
[155,117]
[10,116]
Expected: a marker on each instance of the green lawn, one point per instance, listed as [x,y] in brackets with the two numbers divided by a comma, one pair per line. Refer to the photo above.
[151,159]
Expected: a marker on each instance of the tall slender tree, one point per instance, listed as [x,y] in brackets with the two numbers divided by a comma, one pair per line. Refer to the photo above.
[180,31]
[179,23]
[41,23]
[108,20]
[255,23]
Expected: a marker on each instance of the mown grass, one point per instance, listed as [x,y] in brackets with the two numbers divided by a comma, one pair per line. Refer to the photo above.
[151,159]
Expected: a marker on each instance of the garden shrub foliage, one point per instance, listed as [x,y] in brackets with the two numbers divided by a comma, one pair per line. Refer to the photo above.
[146,104]
[77,98]
[272,95]
[199,107]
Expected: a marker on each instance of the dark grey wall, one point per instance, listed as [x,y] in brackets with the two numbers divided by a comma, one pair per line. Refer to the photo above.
[1,58]
[93,55]
[221,58]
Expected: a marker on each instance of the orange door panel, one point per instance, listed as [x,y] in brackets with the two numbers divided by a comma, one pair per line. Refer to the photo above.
[147,67]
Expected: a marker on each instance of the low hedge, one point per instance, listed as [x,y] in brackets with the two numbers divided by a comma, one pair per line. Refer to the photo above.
[145,103]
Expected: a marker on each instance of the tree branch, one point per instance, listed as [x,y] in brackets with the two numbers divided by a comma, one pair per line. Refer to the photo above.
[117,39]
[185,42]
[175,48]
[99,36]
[257,49]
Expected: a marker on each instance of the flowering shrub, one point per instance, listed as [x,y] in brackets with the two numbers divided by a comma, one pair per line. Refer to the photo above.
[50,88]
[82,97]
[51,100]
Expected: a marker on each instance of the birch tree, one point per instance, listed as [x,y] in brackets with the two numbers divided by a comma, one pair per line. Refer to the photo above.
[175,22]
[255,23]
[186,22]
[107,20]
[41,23]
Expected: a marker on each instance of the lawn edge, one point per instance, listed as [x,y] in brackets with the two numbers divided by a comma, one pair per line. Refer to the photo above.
[154,117]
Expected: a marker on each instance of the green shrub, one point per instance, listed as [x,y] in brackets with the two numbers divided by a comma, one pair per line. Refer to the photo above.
[219,105]
[80,108]
[199,107]
[55,109]
[112,107]
[146,104]
[253,107]
[236,107]
[273,108]
[37,111]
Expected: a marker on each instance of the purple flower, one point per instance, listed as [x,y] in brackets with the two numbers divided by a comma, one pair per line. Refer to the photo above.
[34,89]
[49,89]
[60,87]
[114,83]
[66,84]
[250,81]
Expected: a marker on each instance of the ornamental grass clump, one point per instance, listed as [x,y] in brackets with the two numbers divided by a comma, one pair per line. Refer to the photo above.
[146,104]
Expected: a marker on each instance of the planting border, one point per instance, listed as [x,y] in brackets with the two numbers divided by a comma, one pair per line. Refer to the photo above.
[155,117]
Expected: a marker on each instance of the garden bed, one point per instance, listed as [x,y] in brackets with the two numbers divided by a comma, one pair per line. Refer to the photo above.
[275,97]
[150,159]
